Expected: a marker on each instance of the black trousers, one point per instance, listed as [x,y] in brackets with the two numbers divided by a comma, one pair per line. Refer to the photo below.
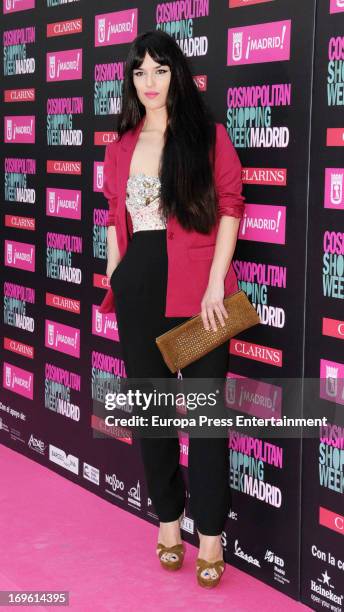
[139,283]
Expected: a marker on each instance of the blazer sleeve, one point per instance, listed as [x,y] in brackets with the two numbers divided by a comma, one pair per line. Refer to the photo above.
[228,181]
[110,181]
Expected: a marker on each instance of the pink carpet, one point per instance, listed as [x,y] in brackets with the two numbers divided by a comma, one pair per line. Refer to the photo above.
[56,535]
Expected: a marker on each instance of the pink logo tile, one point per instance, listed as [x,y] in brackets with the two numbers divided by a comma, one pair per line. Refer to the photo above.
[64,203]
[98,176]
[115,28]
[254,397]
[261,43]
[18,380]
[13,6]
[263,223]
[236,3]
[336,6]
[334,193]
[62,338]
[19,129]
[104,325]
[332,381]
[335,137]
[64,65]
[20,255]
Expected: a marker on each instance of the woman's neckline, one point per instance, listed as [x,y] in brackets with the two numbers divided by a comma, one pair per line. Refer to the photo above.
[142,174]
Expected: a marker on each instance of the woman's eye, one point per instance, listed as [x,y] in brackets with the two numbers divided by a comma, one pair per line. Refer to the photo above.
[160,70]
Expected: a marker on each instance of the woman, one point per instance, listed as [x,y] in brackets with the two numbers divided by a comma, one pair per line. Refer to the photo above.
[173,168]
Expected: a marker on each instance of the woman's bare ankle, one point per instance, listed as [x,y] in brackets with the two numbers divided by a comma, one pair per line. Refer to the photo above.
[210,547]
[169,533]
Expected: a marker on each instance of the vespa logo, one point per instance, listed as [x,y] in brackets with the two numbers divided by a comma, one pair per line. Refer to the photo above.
[238,551]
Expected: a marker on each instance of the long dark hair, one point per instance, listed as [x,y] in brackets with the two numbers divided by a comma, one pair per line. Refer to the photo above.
[186,169]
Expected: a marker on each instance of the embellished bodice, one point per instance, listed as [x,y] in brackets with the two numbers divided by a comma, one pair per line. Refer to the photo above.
[142,202]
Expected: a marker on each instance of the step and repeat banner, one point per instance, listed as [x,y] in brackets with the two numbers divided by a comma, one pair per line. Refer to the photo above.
[252,60]
[323,457]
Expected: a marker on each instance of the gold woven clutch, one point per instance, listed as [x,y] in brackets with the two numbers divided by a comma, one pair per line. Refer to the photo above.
[189,341]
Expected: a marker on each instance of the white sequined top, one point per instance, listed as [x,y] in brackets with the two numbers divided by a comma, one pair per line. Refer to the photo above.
[142,202]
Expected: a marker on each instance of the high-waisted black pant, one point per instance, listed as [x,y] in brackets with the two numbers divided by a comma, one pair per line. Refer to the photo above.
[139,283]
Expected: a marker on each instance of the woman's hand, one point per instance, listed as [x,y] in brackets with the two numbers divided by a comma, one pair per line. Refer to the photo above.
[212,303]
[113,254]
[111,267]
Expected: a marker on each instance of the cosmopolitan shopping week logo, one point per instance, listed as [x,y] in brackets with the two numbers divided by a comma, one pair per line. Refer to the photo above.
[16,60]
[17,299]
[178,20]
[250,115]
[17,171]
[99,233]
[59,385]
[108,84]
[264,42]
[60,118]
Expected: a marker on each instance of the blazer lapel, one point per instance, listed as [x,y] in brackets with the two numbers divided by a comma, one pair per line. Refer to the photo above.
[127,147]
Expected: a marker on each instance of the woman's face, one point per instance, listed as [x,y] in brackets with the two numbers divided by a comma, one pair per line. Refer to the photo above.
[152,77]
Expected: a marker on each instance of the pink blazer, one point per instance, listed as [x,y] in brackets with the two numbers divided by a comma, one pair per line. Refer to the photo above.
[189,253]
